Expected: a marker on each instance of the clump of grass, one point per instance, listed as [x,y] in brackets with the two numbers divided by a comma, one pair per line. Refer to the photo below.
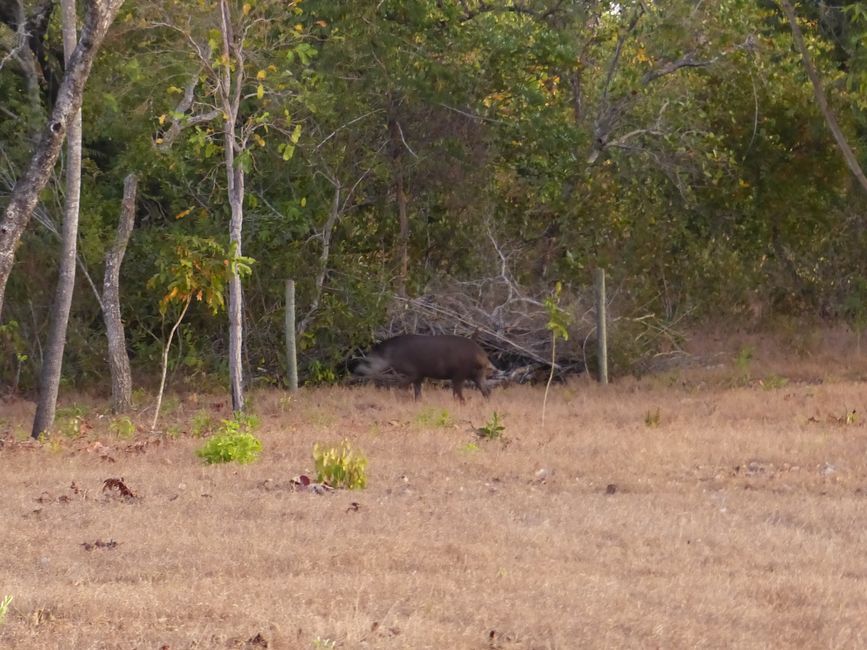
[203,424]
[652,418]
[434,417]
[4,608]
[340,466]
[234,442]
[122,427]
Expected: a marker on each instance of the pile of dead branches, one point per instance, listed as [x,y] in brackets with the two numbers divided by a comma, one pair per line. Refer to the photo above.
[509,323]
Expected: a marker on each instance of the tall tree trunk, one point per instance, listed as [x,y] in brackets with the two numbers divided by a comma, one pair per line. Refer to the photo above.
[49,380]
[118,359]
[99,16]
[236,297]
[230,93]
[819,93]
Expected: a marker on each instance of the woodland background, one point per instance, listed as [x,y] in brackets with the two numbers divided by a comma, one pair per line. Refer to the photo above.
[446,165]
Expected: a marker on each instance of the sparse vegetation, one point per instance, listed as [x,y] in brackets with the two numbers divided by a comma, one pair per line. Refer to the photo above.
[123,427]
[233,442]
[340,466]
[493,428]
[741,504]
[652,418]
[434,417]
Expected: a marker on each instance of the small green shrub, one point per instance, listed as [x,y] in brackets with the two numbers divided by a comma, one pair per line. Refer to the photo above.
[233,442]
[492,429]
[122,427]
[340,467]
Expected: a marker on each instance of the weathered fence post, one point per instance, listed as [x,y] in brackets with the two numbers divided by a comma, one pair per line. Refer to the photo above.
[291,357]
[601,328]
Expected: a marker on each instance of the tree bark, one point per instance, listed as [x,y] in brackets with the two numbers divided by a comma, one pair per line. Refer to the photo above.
[819,92]
[49,379]
[118,359]
[230,94]
[99,16]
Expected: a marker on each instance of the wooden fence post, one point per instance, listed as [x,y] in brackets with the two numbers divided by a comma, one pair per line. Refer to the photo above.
[291,356]
[601,327]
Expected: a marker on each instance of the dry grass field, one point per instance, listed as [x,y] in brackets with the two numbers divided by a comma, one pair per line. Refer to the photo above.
[722,506]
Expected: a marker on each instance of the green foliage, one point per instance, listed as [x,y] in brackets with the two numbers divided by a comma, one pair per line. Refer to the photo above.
[200,268]
[233,442]
[558,320]
[492,429]
[652,418]
[123,427]
[340,466]
[318,373]
[720,184]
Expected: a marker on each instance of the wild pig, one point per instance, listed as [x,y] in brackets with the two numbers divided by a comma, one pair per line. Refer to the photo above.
[415,357]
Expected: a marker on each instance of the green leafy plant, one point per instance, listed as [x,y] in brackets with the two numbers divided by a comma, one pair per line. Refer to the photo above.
[234,442]
[493,428]
[196,267]
[319,373]
[122,427]
[652,418]
[341,466]
[4,608]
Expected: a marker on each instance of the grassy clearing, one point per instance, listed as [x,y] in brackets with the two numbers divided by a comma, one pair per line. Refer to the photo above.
[676,512]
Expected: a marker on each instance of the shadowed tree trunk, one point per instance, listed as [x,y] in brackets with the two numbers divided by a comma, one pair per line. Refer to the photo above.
[98,18]
[118,360]
[52,364]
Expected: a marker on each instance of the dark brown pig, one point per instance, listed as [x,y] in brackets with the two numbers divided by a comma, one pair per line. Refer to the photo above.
[414,357]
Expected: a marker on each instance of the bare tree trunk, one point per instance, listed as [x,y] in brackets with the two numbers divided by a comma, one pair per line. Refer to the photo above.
[49,380]
[118,359]
[99,16]
[230,93]
[236,298]
[819,92]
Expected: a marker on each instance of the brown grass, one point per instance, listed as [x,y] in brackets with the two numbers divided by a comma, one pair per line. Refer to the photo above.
[736,520]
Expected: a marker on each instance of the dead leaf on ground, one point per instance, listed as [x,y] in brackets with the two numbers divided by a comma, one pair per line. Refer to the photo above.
[354,507]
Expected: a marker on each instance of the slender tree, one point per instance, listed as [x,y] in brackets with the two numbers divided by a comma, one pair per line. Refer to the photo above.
[98,17]
[52,364]
[118,359]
